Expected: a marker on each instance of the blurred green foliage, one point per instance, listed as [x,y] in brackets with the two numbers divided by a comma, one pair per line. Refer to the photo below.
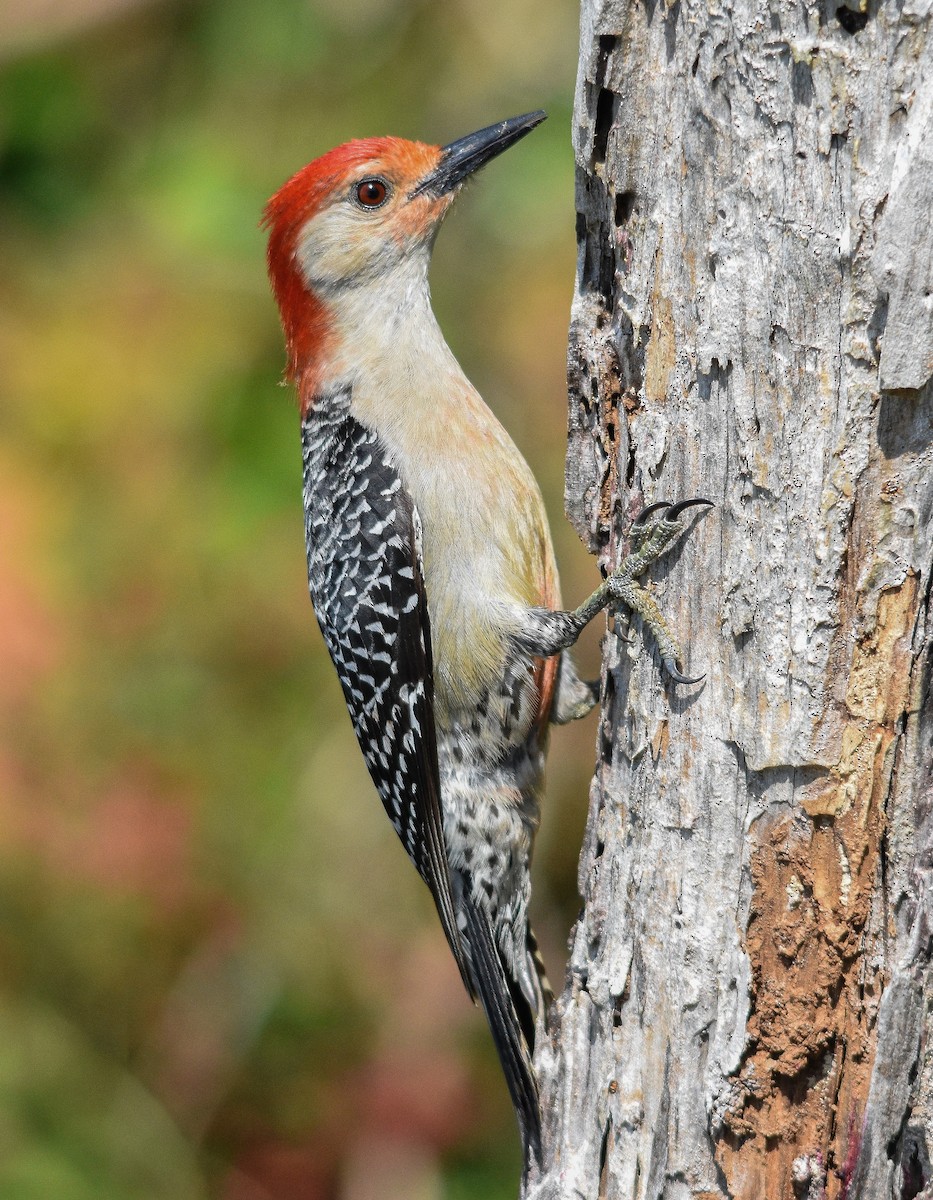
[220,976]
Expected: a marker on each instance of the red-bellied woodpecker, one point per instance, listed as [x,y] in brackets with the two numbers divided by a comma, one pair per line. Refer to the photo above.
[429,557]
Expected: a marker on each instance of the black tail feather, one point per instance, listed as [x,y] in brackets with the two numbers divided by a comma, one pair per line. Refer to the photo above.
[498,997]
[523,1011]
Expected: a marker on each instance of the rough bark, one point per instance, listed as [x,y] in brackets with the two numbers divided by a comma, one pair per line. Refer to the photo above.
[748,1011]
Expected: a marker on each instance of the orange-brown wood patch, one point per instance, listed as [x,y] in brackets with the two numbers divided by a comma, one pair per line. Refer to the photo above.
[804,1082]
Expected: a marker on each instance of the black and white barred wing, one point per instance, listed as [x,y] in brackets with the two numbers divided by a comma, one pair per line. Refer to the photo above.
[363,539]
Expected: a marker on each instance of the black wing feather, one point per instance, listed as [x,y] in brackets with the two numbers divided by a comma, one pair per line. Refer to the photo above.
[507,1012]
[363,539]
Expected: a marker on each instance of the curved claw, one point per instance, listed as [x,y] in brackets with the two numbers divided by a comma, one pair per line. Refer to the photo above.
[676,509]
[646,512]
[671,667]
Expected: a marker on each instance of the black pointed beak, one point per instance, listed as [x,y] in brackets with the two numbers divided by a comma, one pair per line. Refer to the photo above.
[466,155]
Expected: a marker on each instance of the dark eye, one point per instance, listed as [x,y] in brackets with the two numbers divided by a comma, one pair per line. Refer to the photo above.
[371,193]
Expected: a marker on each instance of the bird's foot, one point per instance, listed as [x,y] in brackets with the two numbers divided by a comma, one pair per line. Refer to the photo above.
[654,530]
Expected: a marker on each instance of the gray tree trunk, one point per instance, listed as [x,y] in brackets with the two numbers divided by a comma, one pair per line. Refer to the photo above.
[748,1011]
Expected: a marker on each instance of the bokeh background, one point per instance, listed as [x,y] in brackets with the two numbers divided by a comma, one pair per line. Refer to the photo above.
[219,975]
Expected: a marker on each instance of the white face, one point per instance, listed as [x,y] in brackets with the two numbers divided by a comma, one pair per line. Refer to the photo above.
[366,230]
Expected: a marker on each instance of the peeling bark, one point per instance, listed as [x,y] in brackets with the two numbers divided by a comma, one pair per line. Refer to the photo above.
[748,1010]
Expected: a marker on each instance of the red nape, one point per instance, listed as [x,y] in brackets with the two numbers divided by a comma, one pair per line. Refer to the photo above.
[304,322]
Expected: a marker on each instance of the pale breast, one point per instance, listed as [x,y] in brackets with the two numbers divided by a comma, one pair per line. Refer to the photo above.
[486,542]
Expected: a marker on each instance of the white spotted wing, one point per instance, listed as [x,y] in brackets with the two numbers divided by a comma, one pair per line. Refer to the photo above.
[363,539]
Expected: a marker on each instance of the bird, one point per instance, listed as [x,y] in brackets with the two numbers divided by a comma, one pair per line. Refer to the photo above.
[430,563]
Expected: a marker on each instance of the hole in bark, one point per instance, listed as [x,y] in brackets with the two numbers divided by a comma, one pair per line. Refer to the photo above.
[604,1160]
[914,1170]
[850,20]
[607,43]
[598,264]
[630,468]
[696,65]
[602,125]
[625,206]
[605,751]
[605,284]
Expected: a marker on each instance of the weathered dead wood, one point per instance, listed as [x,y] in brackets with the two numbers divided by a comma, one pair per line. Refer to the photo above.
[748,1011]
